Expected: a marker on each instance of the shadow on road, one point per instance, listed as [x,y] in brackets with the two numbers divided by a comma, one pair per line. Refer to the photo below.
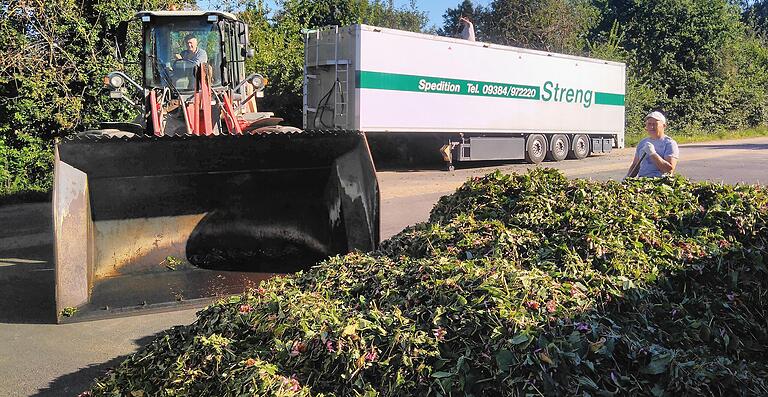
[77,382]
[27,295]
[405,168]
[25,197]
[477,164]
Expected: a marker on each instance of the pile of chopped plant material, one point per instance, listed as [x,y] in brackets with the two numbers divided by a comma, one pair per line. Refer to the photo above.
[517,285]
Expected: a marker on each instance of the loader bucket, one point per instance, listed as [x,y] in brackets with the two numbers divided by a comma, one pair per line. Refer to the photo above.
[162,223]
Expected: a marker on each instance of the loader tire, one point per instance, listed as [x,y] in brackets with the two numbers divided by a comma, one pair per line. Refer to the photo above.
[276,129]
[535,148]
[107,133]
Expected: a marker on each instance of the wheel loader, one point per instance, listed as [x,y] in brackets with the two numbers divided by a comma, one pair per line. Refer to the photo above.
[202,195]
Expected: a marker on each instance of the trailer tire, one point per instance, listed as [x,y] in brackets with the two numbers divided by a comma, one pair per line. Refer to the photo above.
[579,147]
[558,147]
[535,148]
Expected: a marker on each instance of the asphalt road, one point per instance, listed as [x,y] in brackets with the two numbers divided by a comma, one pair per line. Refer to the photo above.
[738,161]
[40,358]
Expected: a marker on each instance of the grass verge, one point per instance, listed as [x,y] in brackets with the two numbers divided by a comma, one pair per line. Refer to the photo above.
[693,136]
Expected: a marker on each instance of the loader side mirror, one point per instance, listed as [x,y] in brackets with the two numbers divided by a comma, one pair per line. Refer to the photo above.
[250,53]
[121,33]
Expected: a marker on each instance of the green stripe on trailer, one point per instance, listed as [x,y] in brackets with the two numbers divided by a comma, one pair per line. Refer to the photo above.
[439,85]
[605,98]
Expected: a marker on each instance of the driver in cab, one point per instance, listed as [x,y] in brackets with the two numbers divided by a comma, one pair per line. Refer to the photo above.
[193,53]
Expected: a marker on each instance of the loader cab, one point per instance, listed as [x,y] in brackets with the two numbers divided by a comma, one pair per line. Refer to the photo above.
[165,35]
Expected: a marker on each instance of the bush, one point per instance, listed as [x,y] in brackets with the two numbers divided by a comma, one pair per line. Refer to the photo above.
[703,64]
[522,284]
[26,165]
[640,94]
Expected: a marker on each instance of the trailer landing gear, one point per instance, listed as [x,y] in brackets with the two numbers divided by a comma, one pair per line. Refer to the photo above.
[447,152]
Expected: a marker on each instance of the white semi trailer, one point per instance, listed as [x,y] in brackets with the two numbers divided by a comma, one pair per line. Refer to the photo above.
[479,101]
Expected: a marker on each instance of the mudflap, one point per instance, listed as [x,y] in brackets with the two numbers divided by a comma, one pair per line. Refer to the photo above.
[149,224]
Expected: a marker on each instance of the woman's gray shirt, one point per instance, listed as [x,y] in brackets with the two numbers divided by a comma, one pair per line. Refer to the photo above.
[665,147]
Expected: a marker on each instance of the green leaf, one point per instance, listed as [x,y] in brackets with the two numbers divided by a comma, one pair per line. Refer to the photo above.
[658,364]
[520,339]
[588,383]
[350,329]
[657,391]
[504,358]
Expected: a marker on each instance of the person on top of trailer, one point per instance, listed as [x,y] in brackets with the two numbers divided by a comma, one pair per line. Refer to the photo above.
[468,31]
[193,53]
[657,154]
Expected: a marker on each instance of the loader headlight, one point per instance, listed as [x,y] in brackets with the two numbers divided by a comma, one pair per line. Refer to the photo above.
[258,82]
[114,80]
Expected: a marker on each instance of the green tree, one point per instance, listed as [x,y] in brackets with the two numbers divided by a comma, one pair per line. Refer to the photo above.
[755,14]
[54,57]
[475,13]
[743,100]
[548,25]
[279,42]
[25,167]
[640,95]
[678,49]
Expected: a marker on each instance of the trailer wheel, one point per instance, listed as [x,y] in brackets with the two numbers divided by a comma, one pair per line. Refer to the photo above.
[558,147]
[580,147]
[535,148]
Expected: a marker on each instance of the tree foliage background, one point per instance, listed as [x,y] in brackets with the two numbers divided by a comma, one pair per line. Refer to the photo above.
[703,62]
[276,36]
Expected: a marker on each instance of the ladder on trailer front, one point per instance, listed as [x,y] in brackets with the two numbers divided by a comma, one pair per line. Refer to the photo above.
[322,63]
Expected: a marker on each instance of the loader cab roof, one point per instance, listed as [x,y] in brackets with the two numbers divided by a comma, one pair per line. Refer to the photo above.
[183,14]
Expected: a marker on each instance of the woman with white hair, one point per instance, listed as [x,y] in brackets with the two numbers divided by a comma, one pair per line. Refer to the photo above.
[657,154]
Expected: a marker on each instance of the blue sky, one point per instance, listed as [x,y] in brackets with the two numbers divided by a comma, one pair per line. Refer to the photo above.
[434,8]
